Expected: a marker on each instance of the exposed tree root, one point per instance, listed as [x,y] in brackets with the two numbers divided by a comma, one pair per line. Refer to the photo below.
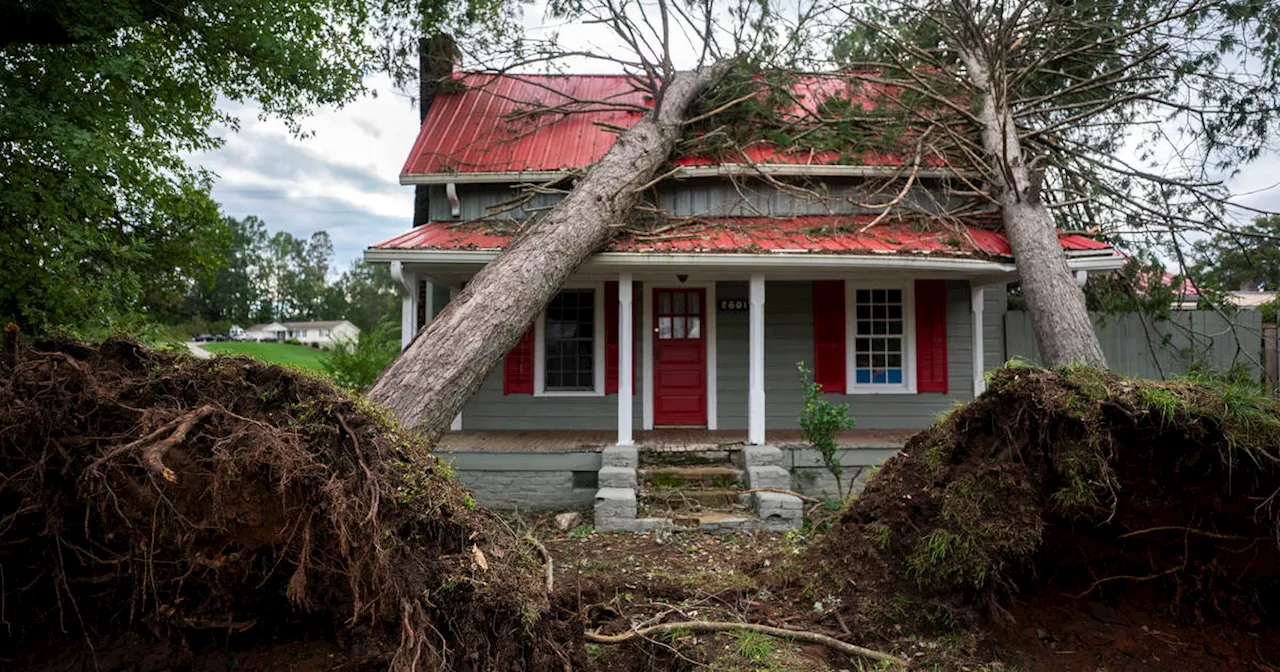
[726,626]
[156,444]
[551,568]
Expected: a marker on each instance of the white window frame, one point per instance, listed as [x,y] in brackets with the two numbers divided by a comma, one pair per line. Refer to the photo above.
[597,348]
[908,385]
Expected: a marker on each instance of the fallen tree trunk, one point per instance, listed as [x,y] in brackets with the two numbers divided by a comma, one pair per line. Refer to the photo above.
[449,359]
[1064,332]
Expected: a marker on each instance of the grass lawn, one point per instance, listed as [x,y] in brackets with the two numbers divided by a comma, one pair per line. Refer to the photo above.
[298,356]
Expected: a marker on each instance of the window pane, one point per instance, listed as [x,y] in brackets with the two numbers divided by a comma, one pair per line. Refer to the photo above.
[894,296]
[677,330]
[664,327]
[864,311]
[878,327]
[895,376]
[695,308]
[864,327]
[695,326]
[895,360]
[862,361]
[878,312]
[862,345]
[863,376]
[664,304]
[895,326]
[569,341]
[678,308]
[877,296]
[895,311]
[864,295]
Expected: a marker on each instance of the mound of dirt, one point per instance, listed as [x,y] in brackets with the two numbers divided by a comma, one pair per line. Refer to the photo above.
[1077,519]
[154,503]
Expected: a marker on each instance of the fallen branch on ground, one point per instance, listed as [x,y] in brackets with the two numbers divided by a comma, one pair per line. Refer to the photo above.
[781,491]
[721,626]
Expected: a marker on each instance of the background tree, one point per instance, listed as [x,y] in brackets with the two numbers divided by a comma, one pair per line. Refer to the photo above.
[103,97]
[1248,256]
[1110,116]
[236,288]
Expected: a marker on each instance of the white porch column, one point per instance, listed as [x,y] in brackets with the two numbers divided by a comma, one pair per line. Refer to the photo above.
[457,420]
[755,390]
[626,334]
[977,297]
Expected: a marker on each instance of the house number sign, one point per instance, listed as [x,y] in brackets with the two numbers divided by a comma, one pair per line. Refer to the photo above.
[734,305]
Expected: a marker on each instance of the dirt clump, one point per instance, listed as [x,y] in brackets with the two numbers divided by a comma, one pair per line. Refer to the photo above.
[158,511]
[1075,519]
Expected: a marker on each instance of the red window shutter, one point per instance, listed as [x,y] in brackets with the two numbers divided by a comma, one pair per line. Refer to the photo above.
[931,336]
[612,321]
[611,337]
[517,367]
[828,335]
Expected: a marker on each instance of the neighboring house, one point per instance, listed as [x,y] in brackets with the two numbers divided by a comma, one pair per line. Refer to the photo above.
[321,333]
[702,325]
[274,331]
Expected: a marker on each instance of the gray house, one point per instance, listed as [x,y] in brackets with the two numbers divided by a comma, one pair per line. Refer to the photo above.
[696,322]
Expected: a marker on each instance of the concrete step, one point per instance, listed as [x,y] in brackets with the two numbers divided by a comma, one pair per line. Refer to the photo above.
[720,475]
[691,499]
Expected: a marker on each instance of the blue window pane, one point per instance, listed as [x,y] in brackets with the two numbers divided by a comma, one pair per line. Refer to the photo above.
[895,376]
[864,376]
[879,377]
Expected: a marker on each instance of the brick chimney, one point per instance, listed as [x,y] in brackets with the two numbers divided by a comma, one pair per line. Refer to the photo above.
[436,58]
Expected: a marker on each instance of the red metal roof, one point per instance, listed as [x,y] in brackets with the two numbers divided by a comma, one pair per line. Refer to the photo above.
[475,126]
[820,234]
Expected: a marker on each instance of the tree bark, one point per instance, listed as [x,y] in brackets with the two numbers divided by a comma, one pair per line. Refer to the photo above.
[1059,317]
[448,360]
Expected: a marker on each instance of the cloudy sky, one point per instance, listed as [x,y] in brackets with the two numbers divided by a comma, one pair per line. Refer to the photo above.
[343,178]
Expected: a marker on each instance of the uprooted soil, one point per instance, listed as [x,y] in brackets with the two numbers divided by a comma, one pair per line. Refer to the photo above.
[161,512]
[1078,521]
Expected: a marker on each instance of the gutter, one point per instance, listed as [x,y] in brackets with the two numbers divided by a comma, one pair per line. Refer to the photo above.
[684,172]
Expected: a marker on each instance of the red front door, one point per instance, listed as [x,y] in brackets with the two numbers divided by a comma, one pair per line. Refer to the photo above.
[679,357]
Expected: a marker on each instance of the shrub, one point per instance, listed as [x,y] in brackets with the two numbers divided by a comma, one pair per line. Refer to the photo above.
[820,420]
[356,366]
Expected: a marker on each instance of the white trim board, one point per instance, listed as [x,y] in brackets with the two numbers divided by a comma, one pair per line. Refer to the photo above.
[709,333]
[819,263]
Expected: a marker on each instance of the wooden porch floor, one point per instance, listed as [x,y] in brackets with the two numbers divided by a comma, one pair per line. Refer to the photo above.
[564,441]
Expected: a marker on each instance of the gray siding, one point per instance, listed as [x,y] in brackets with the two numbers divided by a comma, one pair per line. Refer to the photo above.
[491,409]
[701,197]
[789,338]
[996,304]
